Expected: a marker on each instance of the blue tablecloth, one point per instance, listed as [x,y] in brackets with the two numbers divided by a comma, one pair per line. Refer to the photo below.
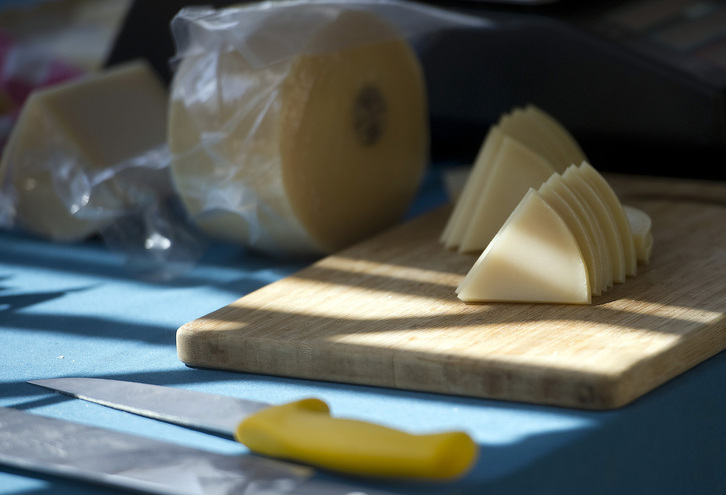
[74,310]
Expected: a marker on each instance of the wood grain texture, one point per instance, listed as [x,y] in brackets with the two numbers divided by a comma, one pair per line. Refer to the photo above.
[384,313]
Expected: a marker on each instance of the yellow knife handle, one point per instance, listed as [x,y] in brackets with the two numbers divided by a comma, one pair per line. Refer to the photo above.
[305,431]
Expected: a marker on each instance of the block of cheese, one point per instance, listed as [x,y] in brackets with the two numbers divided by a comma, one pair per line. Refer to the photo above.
[533,258]
[306,155]
[61,155]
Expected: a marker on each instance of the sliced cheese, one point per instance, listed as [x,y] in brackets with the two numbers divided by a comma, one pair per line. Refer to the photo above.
[310,154]
[68,136]
[517,126]
[574,222]
[589,220]
[641,228]
[555,152]
[533,258]
[604,219]
[574,152]
[606,192]
[514,170]
[460,217]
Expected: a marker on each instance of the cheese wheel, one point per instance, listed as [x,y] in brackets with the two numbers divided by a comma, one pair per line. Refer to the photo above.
[68,146]
[533,258]
[309,154]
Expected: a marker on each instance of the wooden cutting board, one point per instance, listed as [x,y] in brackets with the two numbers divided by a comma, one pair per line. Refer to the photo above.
[384,313]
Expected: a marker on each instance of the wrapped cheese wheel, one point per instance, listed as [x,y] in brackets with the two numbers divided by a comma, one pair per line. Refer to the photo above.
[301,153]
[80,150]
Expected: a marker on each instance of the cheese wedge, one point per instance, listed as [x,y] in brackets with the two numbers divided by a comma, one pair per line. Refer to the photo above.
[69,136]
[533,258]
[514,170]
[310,154]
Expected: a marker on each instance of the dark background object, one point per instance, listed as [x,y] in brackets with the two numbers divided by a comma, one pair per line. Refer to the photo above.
[639,83]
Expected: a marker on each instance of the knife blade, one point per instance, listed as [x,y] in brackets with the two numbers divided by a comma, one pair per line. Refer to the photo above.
[56,447]
[302,431]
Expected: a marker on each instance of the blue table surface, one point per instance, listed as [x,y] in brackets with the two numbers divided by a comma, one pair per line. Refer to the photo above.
[75,310]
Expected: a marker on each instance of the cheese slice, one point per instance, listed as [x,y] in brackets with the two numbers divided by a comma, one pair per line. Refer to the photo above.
[310,154]
[517,126]
[464,207]
[641,228]
[607,194]
[604,219]
[533,258]
[589,248]
[589,220]
[573,151]
[555,152]
[514,170]
[71,134]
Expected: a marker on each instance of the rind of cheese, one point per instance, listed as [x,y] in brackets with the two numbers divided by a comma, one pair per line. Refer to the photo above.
[533,258]
[606,192]
[69,134]
[641,228]
[310,154]
[514,170]
[604,220]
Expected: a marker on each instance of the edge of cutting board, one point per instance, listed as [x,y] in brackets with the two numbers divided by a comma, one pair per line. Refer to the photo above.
[384,313]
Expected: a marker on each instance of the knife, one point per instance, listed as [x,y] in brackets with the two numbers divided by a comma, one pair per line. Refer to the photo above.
[71,450]
[302,431]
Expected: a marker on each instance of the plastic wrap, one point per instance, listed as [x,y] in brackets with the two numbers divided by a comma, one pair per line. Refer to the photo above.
[135,204]
[237,70]
[67,180]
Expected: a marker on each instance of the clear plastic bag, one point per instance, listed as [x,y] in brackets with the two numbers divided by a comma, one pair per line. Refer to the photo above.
[229,97]
[134,204]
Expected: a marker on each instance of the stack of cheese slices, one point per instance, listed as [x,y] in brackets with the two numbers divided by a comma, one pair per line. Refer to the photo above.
[549,233]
